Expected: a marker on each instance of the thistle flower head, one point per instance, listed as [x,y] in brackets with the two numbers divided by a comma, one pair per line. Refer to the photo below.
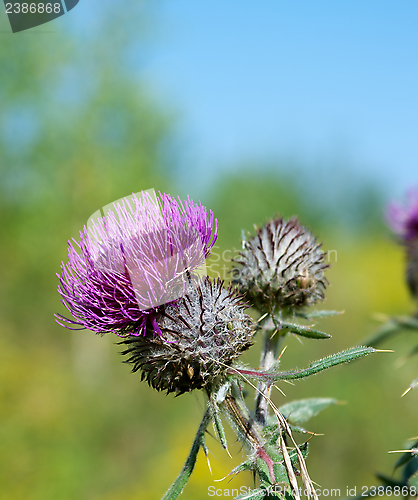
[403,220]
[281,266]
[138,257]
[201,335]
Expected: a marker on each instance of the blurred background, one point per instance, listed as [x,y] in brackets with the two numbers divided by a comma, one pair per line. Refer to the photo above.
[256,109]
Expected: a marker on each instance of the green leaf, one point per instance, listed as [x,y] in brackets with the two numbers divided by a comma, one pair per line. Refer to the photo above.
[271,432]
[407,322]
[258,494]
[297,428]
[249,466]
[297,412]
[406,457]
[181,481]
[383,333]
[304,449]
[365,494]
[391,327]
[217,423]
[412,352]
[313,368]
[388,481]
[305,331]
[318,314]
[413,480]
[294,428]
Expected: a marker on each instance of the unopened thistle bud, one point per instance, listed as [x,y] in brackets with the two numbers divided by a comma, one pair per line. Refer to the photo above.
[403,221]
[200,336]
[281,266]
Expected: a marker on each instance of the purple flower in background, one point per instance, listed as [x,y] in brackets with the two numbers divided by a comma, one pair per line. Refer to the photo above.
[403,219]
[140,255]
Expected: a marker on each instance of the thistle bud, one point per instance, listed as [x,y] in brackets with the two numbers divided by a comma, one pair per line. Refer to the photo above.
[281,266]
[198,338]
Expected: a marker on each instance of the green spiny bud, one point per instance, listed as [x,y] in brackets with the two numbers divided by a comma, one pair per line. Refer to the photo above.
[200,336]
[281,266]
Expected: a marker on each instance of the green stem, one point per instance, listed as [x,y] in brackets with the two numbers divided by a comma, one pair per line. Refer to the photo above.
[269,353]
[181,481]
[248,429]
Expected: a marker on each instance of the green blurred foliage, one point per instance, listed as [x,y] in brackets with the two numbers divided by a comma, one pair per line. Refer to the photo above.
[74,423]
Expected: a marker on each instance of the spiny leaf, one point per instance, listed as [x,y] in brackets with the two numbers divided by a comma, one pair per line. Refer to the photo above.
[313,368]
[412,385]
[391,327]
[304,449]
[307,482]
[406,457]
[413,480]
[412,352]
[248,466]
[258,494]
[410,469]
[206,451]
[305,331]
[294,428]
[407,322]
[289,468]
[388,481]
[383,333]
[217,423]
[271,432]
[318,314]
[302,410]
[181,481]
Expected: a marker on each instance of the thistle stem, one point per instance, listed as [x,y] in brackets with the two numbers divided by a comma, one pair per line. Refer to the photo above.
[248,429]
[269,353]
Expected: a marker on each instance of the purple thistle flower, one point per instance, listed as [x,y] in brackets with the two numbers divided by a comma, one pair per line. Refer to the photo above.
[132,261]
[402,219]
[404,222]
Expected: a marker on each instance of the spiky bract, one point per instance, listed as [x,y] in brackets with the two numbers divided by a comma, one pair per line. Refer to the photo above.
[131,261]
[281,266]
[201,335]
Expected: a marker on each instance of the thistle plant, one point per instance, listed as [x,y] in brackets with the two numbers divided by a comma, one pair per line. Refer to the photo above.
[135,273]
[403,220]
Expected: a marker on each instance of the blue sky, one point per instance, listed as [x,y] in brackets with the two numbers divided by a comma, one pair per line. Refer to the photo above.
[312,82]
[329,85]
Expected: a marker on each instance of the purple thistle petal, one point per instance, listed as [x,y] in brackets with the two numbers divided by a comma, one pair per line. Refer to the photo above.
[403,219]
[137,257]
